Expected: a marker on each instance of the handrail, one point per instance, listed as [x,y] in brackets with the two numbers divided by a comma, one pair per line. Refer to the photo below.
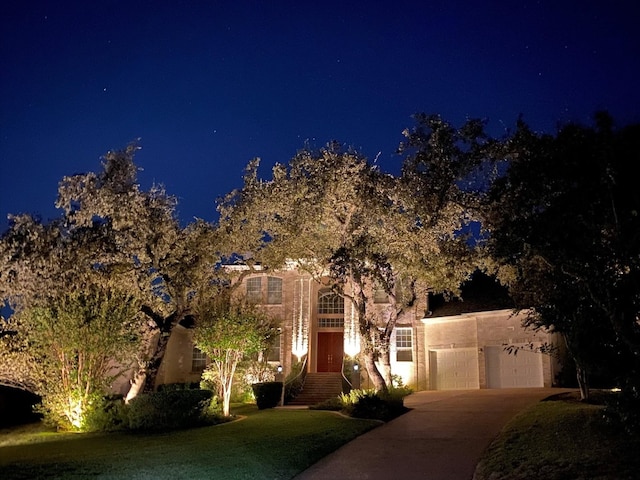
[343,375]
[304,364]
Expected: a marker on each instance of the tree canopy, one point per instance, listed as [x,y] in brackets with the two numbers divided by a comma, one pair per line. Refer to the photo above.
[339,217]
[112,232]
[565,229]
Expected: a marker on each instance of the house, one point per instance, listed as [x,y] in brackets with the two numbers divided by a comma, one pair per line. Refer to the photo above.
[436,344]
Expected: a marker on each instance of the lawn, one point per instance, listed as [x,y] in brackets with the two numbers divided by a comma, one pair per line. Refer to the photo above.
[560,439]
[273,443]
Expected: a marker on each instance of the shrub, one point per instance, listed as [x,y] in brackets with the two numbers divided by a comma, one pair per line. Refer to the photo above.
[372,405]
[623,409]
[172,387]
[107,414]
[294,381]
[333,404]
[170,409]
[268,394]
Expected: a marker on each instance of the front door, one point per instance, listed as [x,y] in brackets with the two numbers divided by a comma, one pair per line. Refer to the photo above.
[330,351]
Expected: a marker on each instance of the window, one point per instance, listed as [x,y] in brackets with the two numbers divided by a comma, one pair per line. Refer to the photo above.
[274,291]
[198,360]
[254,289]
[330,303]
[379,295]
[331,322]
[404,344]
[273,354]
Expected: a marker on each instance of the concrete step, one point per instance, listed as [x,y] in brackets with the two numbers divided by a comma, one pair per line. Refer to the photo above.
[319,387]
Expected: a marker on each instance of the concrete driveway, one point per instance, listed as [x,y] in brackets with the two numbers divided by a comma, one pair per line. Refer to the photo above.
[441,438]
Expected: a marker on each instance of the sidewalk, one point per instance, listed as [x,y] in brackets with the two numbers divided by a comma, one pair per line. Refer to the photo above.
[441,438]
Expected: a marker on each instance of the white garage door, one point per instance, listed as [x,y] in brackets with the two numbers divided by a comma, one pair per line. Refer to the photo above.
[521,370]
[455,369]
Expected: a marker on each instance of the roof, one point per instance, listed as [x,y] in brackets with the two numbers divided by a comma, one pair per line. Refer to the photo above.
[481,293]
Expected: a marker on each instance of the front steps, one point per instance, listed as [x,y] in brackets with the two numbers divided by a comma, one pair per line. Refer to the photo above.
[319,387]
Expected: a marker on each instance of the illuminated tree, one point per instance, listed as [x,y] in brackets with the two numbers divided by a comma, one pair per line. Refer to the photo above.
[227,332]
[112,232]
[337,215]
[160,260]
[82,342]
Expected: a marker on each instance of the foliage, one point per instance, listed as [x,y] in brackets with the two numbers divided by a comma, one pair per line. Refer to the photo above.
[227,332]
[623,409]
[108,414]
[567,239]
[333,404]
[112,232]
[172,387]
[169,409]
[82,341]
[337,216]
[367,403]
[294,382]
[268,394]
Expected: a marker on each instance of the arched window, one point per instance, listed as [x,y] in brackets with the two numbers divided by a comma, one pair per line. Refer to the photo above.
[330,309]
[329,302]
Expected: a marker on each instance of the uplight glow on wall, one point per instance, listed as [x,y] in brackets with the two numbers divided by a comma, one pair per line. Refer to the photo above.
[300,330]
[351,335]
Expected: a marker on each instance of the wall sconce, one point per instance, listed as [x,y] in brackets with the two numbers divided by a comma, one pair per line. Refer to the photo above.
[356,367]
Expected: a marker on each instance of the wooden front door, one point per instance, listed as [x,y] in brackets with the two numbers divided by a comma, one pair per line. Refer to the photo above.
[330,351]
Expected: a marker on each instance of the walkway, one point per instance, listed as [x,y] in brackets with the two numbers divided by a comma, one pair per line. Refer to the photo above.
[441,438]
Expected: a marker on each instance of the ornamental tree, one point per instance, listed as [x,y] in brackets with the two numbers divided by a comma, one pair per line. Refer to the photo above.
[227,332]
[80,342]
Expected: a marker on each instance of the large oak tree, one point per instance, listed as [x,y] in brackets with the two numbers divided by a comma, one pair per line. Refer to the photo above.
[112,228]
[338,216]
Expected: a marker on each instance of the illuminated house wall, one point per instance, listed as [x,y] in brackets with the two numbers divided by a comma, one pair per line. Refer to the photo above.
[437,351]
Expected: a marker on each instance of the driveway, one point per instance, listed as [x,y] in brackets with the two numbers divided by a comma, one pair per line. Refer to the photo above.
[441,438]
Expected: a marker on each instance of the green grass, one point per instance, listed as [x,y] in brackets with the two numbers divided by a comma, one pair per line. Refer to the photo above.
[273,444]
[561,439]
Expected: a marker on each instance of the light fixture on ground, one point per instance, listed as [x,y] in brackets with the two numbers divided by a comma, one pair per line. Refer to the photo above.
[280,378]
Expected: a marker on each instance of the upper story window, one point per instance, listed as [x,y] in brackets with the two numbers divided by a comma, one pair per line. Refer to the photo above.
[379,295]
[274,290]
[254,289]
[330,302]
[273,294]
[330,309]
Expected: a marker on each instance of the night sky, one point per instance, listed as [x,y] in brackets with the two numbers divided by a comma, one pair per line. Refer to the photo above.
[208,85]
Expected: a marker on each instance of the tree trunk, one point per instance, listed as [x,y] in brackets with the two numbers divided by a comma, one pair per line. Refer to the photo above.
[385,362]
[583,382]
[373,372]
[153,367]
[137,383]
[581,372]
[145,378]
[165,326]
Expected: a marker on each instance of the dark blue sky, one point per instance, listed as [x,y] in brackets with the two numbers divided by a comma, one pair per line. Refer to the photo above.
[208,85]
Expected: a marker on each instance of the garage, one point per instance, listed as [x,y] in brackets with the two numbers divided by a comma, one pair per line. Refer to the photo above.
[505,370]
[454,369]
